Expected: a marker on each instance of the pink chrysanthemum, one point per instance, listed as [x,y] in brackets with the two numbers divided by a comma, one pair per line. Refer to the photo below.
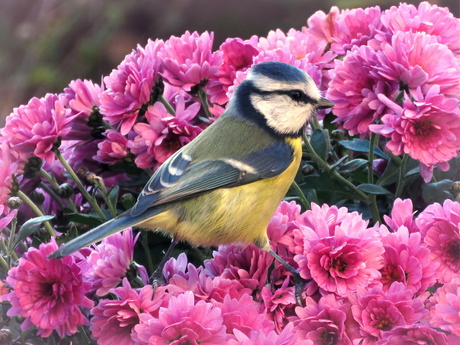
[440,226]
[339,255]
[182,322]
[48,293]
[35,128]
[286,337]
[164,133]
[113,320]
[9,167]
[445,313]
[428,18]
[427,128]
[402,214]
[377,311]
[407,260]
[354,89]
[418,60]
[110,260]
[113,149]
[131,85]
[189,59]
[322,322]
[413,335]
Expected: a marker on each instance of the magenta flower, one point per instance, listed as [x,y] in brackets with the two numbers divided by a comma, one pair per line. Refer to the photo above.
[182,322]
[427,128]
[113,149]
[407,260]
[339,256]
[402,214]
[164,133]
[113,320]
[130,86]
[110,260]
[286,337]
[189,60]
[9,167]
[322,322]
[377,311]
[440,226]
[413,335]
[35,128]
[445,313]
[48,293]
[354,89]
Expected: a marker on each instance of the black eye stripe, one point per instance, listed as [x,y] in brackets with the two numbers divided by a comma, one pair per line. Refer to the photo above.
[302,97]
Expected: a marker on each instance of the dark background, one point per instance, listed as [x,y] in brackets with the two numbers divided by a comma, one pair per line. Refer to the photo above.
[44,44]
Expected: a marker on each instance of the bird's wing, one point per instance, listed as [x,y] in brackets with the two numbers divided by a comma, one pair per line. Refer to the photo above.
[180,177]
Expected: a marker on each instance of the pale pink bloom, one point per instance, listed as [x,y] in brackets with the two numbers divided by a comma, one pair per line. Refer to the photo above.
[418,60]
[377,311]
[164,133]
[445,313]
[35,128]
[110,260]
[248,264]
[182,322]
[113,149]
[3,289]
[413,335]
[355,88]
[286,337]
[322,322]
[427,127]
[9,167]
[189,60]
[324,26]
[407,260]
[82,97]
[113,320]
[130,86]
[48,293]
[431,19]
[402,214]
[340,256]
[440,226]
[6,220]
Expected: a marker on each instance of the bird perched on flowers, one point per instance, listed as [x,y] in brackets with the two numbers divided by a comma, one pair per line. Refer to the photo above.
[225,185]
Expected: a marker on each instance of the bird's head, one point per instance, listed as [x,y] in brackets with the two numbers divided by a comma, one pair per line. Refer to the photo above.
[280,97]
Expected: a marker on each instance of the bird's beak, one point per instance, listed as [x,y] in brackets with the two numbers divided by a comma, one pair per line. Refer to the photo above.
[324,103]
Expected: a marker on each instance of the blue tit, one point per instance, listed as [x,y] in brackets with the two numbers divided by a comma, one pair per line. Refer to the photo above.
[225,185]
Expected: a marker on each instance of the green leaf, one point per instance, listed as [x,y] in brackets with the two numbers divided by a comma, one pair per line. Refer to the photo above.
[360,145]
[319,144]
[437,191]
[373,189]
[353,165]
[339,162]
[83,218]
[29,227]
[113,195]
[390,175]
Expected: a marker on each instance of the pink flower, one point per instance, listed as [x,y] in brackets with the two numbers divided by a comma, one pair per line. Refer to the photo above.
[407,260]
[5,220]
[113,149]
[431,19]
[189,60]
[35,128]
[249,265]
[322,322]
[337,249]
[48,293]
[418,60]
[427,128]
[110,260]
[113,320]
[402,214]
[286,337]
[413,335]
[130,86]
[445,314]
[377,311]
[164,133]
[440,226]
[9,167]
[182,322]
[354,89]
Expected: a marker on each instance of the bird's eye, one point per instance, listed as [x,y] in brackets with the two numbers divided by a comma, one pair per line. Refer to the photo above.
[296,95]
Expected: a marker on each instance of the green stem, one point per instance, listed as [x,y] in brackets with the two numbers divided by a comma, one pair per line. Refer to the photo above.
[4,264]
[302,197]
[148,255]
[204,102]
[80,186]
[112,208]
[401,177]
[55,185]
[167,105]
[370,168]
[37,211]
[52,194]
[49,178]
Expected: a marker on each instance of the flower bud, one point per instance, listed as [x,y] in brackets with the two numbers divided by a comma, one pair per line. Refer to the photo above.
[14,202]
[32,167]
[90,178]
[37,197]
[308,169]
[6,337]
[65,190]
[127,200]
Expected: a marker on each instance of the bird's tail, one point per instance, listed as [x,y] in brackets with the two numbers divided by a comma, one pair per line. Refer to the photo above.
[121,222]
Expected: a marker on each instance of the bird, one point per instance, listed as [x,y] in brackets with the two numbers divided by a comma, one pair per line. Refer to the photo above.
[225,185]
